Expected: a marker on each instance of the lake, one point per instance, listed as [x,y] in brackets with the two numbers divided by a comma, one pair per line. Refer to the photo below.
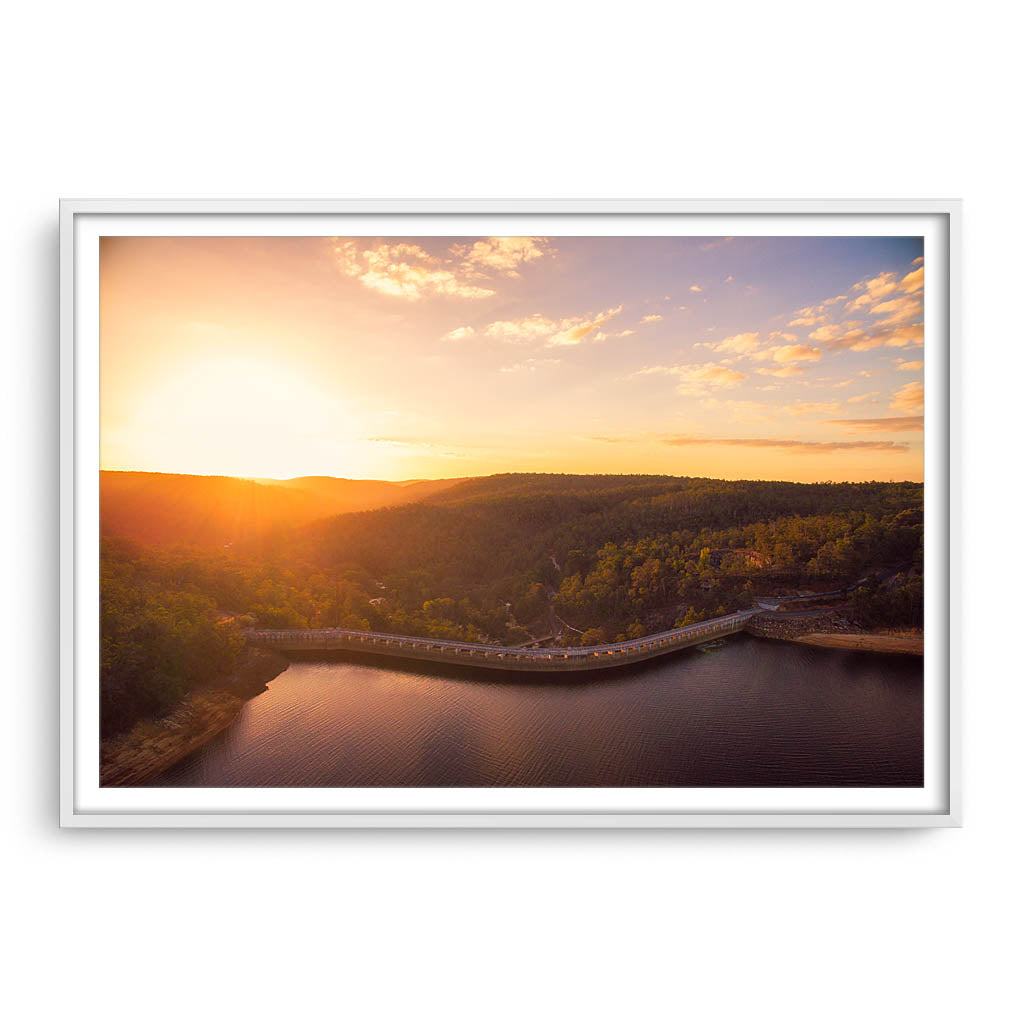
[752,713]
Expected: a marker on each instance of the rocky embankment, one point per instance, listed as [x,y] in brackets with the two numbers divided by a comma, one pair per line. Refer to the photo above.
[833,629]
[791,628]
[154,746]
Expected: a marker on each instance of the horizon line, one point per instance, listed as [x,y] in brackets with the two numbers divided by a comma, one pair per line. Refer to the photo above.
[485,476]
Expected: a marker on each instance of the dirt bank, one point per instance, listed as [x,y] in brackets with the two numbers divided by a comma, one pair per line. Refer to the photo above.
[154,746]
[882,643]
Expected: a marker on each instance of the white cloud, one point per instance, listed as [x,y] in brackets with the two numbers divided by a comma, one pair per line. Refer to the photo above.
[909,398]
[698,378]
[832,332]
[859,340]
[873,290]
[530,365]
[403,271]
[796,354]
[900,310]
[576,329]
[913,282]
[541,329]
[503,255]
[458,334]
[742,344]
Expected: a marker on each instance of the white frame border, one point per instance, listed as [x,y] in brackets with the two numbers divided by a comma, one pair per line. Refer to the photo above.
[71,817]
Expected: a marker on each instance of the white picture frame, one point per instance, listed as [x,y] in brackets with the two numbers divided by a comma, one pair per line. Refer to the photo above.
[83,804]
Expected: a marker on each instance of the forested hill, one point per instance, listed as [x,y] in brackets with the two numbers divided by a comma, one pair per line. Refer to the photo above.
[505,559]
[484,529]
[169,509]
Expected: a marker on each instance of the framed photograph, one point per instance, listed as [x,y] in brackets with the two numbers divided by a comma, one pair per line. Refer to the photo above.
[509,514]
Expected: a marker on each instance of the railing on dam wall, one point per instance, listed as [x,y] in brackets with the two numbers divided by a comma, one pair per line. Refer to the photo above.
[538,659]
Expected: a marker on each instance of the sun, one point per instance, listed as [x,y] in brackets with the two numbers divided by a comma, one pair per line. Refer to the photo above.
[244,415]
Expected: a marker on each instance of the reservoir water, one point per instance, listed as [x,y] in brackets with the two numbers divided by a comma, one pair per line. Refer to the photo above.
[753,713]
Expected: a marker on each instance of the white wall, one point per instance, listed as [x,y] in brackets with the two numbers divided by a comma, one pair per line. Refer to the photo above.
[527,99]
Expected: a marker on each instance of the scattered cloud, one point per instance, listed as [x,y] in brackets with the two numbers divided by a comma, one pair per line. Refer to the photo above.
[913,282]
[876,289]
[696,288]
[783,371]
[863,398]
[809,316]
[697,378]
[503,255]
[884,424]
[843,383]
[810,408]
[915,364]
[576,329]
[555,333]
[859,340]
[526,329]
[900,310]
[833,332]
[651,318]
[873,290]
[796,354]
[909,398]
[739,343]
[530,365]
[917,262]
[404,271]
[794,446]
[716,242]
[458,334]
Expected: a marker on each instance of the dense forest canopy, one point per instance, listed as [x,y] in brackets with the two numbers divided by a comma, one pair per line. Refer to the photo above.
[505,559]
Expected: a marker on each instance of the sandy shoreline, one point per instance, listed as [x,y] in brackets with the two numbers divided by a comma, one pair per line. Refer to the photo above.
[876,642]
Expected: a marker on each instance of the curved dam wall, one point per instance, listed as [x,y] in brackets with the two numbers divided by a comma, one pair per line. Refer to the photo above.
[492,656]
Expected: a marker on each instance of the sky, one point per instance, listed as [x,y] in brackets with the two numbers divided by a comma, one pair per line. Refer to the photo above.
[412,358]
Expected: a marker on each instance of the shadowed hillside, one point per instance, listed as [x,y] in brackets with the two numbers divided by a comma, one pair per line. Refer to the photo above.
[167,509]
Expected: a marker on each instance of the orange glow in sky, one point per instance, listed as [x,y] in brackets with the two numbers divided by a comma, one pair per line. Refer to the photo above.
[396,359]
